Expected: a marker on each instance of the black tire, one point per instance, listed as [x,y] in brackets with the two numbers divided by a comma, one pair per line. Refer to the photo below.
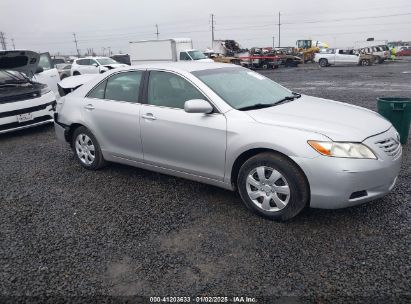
[323,62]
[76,73]
[365,62]
[299,191]
[288,63]
[98,161]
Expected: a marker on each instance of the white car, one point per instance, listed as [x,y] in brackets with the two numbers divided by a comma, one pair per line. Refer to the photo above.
[94,65]
[24,101]
[329,57]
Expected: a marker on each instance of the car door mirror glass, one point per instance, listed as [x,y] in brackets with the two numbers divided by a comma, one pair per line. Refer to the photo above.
[39,70]
[198,106]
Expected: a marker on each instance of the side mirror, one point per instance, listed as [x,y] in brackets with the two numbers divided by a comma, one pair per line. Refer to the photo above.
[39,70]
[197,106]
[95,64]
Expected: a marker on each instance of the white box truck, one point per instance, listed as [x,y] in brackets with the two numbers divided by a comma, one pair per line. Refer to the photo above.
[176,49]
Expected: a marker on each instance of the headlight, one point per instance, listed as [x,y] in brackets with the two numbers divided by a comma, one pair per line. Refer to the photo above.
[342,149]
[44,89]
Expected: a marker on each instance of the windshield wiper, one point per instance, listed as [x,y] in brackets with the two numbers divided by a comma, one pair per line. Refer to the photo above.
[267,105]
[288,98]
[256,106]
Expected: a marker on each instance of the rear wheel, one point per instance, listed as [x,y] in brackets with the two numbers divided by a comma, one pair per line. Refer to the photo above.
[86,149]
[273,186]
[323,62]
[365,62]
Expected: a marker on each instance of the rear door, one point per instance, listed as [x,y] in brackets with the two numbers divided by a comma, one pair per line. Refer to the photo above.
[112,112]
[193,143]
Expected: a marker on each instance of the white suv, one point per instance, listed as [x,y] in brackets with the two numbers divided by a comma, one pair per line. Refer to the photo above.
[94,65]
[380,52]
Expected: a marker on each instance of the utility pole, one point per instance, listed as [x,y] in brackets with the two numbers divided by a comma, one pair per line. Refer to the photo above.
[273,41]
[3,41]
[109,51]
[157,33]
[12,41]
[212,30]
[279,29]
[75,41]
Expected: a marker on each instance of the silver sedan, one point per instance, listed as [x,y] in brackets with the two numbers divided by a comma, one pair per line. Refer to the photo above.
[233,128]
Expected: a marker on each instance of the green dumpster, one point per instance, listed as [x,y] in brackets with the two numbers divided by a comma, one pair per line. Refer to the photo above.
[398,111]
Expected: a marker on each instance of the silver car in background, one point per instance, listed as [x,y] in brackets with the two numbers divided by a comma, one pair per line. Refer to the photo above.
[230,127]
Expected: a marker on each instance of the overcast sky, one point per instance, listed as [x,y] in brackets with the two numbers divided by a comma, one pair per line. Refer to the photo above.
[47,25]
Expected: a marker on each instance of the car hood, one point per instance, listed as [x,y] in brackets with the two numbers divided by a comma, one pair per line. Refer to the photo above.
[19,60]
[336,120]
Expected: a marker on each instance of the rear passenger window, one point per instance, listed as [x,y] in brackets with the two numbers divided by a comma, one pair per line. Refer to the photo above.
[121,87]
[98,91]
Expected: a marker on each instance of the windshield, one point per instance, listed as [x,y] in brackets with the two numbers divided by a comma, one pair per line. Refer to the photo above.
[242,88]
[7,76]
[196,55]
[104,61]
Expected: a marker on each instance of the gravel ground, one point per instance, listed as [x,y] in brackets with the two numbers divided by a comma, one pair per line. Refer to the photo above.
[65,231]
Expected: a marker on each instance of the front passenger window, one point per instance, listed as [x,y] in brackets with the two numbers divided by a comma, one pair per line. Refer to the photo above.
[169,90]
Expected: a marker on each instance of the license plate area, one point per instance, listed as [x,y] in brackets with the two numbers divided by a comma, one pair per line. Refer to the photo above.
[24,117]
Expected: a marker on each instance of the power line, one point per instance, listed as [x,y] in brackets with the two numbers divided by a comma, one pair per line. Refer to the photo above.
[347,19]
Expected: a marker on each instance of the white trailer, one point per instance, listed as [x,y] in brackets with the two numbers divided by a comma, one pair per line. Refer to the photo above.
[176,49]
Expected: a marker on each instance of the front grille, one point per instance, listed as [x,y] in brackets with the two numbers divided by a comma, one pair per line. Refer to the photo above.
[26,123]
[390,146]
[28,110]
[19,97]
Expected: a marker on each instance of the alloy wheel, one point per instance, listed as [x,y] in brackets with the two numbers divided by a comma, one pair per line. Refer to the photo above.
[268,189]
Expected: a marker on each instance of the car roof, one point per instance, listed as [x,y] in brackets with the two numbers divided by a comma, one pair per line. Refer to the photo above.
[183,66]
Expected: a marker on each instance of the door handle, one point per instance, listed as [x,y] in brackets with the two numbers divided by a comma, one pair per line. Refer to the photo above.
[149,116]
[89,107]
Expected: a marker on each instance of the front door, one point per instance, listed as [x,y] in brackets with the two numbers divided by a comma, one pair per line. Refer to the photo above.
[172,138]
[50,75]
[112,112]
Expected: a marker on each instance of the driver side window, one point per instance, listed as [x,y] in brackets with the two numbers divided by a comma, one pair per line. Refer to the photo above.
[184,56]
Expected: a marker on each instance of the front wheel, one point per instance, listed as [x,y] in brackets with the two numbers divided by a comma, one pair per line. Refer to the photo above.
[272,186]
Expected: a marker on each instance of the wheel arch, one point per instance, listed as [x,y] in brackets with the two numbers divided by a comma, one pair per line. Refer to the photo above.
[245,155]
[70,131]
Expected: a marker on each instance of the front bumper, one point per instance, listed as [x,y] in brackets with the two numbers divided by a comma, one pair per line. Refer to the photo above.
[41,109]
[342,182]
